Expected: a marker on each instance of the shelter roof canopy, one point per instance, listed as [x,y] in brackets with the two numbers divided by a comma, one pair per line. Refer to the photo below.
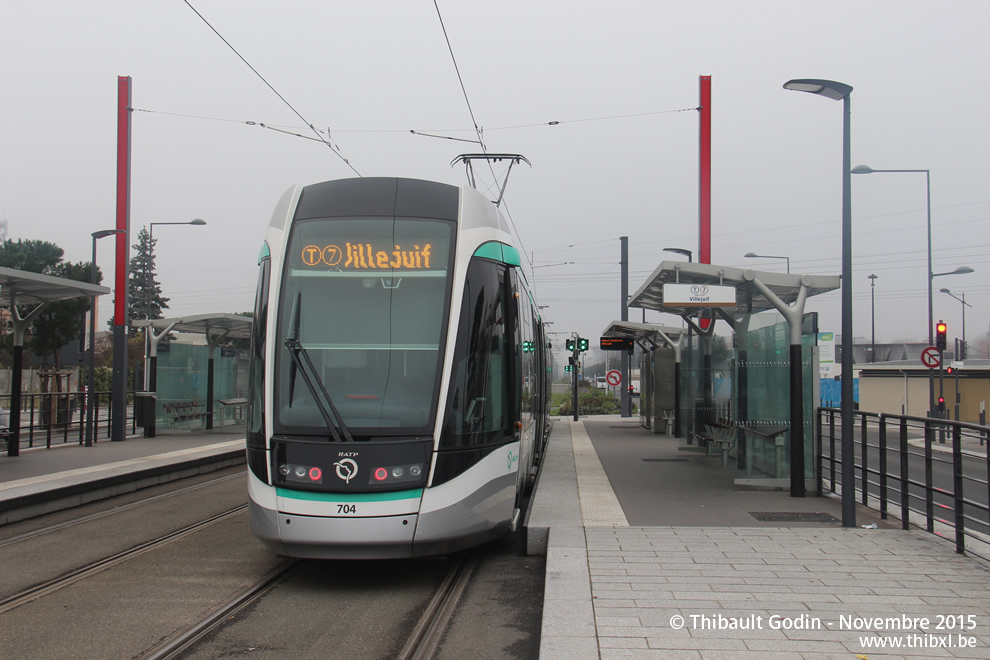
[23,287]
[749,299]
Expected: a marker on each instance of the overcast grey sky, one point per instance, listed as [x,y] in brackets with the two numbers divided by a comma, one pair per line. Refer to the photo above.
[620,77]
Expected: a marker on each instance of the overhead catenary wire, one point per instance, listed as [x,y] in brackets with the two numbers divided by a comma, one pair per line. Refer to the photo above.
[477,129]
[333,148]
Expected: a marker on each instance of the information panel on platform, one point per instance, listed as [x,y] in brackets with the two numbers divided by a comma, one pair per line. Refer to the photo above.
[698,295]
[616,344]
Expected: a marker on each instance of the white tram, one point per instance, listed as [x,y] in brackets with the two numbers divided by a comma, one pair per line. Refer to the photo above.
[399,384]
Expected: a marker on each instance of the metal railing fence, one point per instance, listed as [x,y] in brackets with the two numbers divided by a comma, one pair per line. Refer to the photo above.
[53,418]
[910,467]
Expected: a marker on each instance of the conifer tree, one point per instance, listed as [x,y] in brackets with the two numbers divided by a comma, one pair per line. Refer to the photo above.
[145,300]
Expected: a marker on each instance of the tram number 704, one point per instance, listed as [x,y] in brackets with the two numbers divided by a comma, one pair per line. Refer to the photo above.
[346,508]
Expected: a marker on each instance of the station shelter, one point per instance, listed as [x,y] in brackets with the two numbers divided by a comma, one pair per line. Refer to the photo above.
[190,383]
[745,366]
[27,295]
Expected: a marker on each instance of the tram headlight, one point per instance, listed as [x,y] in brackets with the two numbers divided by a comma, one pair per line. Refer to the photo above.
[305,474]
[396,474]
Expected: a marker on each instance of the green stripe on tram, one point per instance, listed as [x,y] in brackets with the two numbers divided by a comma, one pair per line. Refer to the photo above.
[350,497]
[265,253]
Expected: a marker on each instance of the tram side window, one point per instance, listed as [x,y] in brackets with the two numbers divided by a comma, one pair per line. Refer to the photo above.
[256,402]
[480,406]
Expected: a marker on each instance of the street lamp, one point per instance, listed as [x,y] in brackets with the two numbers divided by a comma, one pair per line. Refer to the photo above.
[753,255]
[151,227]
[873,318]
[840,92]
[91,357]
[687,253]
[964,306]
[151,247]
[866,169]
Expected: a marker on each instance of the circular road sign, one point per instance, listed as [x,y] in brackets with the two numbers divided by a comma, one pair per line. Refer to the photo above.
[930,358]
[613,378]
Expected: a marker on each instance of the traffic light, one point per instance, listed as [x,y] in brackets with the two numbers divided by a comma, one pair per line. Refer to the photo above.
[570,345]
[940,329]
[568,368]
[582,344]
[948,371]
[941,404]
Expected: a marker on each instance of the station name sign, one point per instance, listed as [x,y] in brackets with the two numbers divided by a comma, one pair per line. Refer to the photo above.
[698,295]
[616,344]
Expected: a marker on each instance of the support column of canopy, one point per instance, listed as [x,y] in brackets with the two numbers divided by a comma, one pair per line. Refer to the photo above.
[21,324]
[794,315]
[152,373]
[212,343]
[678,347]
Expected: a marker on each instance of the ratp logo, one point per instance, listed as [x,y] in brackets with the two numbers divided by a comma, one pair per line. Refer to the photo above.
[347,469]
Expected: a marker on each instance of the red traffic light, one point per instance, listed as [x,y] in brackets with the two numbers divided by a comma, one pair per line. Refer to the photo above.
[940,327]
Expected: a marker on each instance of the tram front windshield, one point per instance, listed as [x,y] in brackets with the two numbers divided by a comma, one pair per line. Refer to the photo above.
[366,299]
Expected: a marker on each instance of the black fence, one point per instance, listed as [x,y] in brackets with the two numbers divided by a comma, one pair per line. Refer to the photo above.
[928,472]
[54,418]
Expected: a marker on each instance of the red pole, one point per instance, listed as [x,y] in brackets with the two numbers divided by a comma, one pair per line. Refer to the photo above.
[123,197]
[118,400]
[705,172]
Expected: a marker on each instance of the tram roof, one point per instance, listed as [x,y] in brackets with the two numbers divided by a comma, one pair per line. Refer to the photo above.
[642,331]
[749,298]
[233,326]
[35,288]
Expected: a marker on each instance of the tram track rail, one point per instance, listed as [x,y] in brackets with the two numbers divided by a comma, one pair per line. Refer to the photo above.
[425,638]
[422,644]
[189,636]
[118,509]
[50,586]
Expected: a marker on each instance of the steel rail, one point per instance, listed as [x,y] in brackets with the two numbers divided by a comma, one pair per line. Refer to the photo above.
[426,636]
[78,574]
[184,639]
[119,509]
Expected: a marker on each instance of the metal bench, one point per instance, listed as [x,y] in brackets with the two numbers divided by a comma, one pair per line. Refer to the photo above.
[182,411]
[720,435]
[237,404]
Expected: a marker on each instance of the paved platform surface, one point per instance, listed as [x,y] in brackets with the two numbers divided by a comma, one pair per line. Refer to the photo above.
[44,480]
[653,552]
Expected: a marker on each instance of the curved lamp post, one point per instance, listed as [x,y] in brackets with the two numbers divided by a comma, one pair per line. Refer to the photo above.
[91,398]
[838,91]
[873,318]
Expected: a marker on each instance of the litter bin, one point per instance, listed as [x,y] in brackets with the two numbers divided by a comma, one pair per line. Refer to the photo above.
[144,411]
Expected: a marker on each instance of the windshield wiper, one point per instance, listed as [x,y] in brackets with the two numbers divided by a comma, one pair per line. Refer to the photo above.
[300,363]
